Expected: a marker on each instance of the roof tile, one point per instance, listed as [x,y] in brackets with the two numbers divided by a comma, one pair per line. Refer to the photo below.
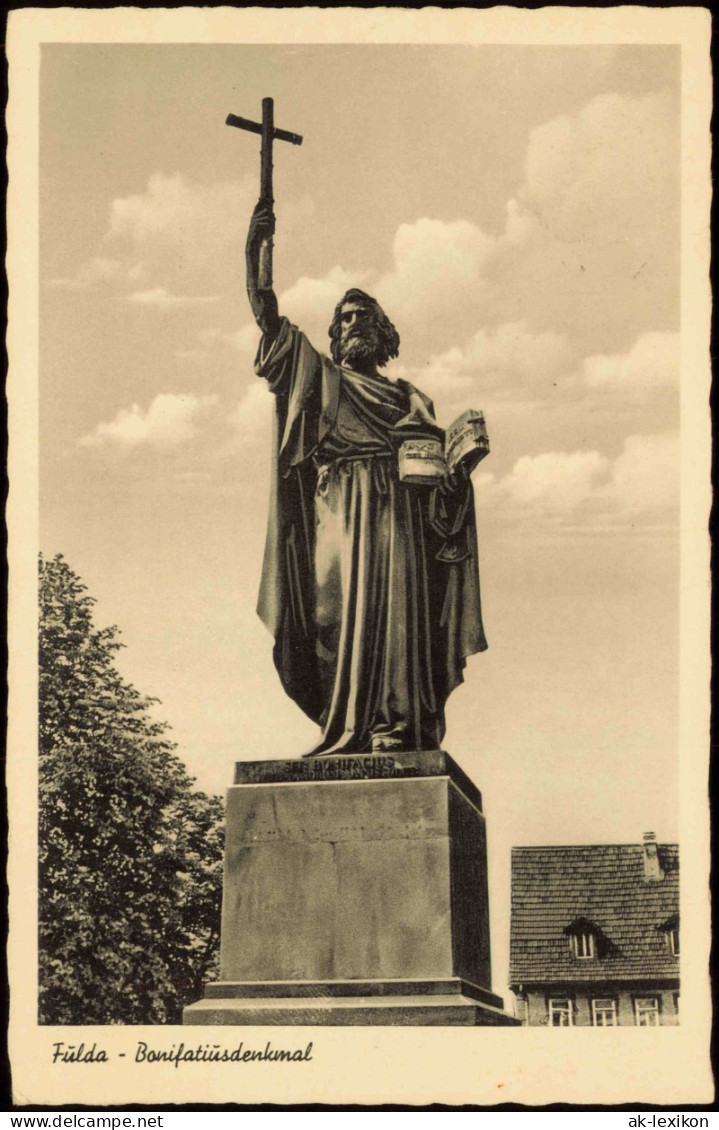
[553,886]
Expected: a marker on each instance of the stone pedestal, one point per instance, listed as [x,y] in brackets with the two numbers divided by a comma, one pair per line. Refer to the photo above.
[355,892]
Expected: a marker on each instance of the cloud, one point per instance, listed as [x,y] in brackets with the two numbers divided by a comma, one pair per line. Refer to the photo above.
[436,264]
[175,235]
[98,270]
[593,175]
[172,213]
[160,296]
[513,312]
[197,221]
[504,359]
[253,414]
[591,238]
[431,290]
[645,477]
[555,481]
[169,420]
[584,261]
[588,250]
[651,363]
[310,302]
[178,235]
[181,232]
[243,341]
[246,340]
[587,488]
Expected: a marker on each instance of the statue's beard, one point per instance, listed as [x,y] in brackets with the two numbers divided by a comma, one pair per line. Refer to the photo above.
[359,350]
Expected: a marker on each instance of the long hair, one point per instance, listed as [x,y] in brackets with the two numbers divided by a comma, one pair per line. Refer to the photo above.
[387,335]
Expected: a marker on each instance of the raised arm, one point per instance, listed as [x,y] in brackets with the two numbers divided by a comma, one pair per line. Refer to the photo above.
[259,291]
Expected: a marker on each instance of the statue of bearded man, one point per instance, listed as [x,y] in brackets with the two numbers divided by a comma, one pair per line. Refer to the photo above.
[370,585]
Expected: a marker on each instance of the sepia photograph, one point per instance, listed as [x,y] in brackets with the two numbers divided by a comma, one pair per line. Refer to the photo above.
[359,490]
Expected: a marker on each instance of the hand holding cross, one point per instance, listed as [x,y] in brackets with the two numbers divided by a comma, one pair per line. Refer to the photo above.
[267,129]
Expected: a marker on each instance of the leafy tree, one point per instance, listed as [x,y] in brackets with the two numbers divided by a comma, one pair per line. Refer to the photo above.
[130,855]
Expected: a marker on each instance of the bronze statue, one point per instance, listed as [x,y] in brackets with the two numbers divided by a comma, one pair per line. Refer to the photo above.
[370,581]
[370,585]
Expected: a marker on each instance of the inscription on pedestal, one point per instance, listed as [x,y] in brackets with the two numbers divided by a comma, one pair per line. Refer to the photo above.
[359,767]
[353,768]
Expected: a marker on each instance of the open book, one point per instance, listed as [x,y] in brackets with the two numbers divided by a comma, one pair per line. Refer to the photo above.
[425,460]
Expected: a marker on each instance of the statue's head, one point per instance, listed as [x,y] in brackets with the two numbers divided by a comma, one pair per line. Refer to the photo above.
[361,334]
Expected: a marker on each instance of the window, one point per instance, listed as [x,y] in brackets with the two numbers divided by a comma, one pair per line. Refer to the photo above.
[670,929]
[587,939]
[646,1010]
[560,1013]
[676,1002]
[604,1013]
[583,945]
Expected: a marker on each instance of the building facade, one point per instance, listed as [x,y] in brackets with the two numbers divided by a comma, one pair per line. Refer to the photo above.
[594,937]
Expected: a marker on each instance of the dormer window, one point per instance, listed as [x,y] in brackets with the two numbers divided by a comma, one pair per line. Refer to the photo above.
[584,945]
[585,939]
[670,929]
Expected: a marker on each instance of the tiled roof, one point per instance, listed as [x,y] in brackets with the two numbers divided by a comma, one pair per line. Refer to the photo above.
[552,887]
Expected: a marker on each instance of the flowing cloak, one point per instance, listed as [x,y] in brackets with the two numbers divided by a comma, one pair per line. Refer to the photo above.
[369,586]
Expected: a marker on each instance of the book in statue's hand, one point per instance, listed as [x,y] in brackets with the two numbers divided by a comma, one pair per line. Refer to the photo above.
[425,460]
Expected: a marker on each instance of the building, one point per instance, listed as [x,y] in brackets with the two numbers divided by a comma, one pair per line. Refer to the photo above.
[595,934]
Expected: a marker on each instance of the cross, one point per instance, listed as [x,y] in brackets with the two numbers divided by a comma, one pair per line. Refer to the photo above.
[269,134]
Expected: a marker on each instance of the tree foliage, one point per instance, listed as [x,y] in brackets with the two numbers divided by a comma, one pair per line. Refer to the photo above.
[130,854]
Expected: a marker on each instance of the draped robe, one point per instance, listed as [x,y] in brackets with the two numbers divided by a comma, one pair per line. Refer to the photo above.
[370,586]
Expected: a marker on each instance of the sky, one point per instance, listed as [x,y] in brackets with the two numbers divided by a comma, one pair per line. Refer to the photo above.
[515,209]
